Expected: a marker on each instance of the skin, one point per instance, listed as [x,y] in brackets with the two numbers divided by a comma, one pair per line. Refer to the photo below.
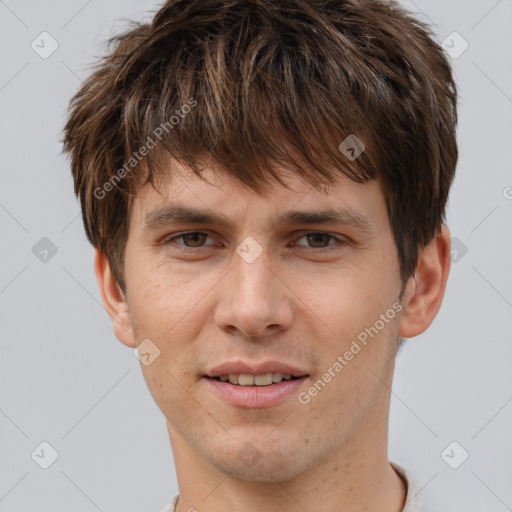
[293,303]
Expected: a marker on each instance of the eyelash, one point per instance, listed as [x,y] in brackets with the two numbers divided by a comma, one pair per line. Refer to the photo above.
[338,241]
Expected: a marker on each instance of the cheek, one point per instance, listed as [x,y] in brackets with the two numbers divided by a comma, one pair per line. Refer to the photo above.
[346,301]
[354,319]
[164,297]
[168,308]
[351,378]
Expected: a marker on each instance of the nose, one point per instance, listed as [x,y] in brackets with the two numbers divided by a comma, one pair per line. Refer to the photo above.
[254,299]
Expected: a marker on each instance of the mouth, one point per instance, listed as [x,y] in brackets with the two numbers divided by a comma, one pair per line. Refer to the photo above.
[251,384]
[264,390]
[262,380]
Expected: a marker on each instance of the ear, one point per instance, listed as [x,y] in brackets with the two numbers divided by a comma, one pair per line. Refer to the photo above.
[424,292]
[114,300]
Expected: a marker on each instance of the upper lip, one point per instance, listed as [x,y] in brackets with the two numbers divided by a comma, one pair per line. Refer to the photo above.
[241,367]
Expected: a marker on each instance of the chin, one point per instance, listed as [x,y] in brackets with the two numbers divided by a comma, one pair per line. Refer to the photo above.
[268,469]
[262,460]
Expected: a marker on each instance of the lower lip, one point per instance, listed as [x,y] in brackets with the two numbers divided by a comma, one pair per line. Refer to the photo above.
[256,396]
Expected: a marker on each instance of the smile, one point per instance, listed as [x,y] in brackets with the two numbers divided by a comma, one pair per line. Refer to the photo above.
[265,379]
[253,395]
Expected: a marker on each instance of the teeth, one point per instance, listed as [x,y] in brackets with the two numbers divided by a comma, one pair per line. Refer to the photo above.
[262,380]
[245,380]
[254,380]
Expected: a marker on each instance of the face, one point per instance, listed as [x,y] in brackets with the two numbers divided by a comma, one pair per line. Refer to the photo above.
[314,297]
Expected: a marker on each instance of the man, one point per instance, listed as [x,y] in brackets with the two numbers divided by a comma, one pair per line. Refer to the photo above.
[265,186]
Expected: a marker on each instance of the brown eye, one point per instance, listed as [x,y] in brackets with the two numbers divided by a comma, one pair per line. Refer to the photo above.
[192,239]
[318,238]
[195,239]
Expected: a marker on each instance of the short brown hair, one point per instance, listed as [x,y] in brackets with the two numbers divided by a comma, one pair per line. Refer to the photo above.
[270,82]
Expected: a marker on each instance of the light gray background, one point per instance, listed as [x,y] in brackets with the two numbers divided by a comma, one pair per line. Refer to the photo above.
[65,379]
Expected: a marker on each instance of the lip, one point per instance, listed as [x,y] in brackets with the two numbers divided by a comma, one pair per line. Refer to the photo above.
[256,397]
[241,367]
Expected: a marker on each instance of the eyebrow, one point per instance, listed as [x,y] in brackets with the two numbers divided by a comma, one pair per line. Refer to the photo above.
[178,214]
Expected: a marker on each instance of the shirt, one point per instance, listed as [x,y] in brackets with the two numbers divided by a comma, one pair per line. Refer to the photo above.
[412,499]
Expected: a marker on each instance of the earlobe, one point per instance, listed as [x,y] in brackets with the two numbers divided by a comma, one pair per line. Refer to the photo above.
[424,293]
[114,300]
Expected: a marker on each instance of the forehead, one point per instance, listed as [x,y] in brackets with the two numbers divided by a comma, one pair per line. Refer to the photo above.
[221,192]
